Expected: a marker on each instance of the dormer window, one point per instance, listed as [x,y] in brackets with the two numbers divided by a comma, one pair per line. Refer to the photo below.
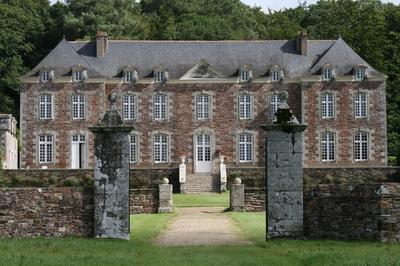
[276,74]
[245,74]
[46,75]
[160,75]
[130,75]
[359,73]
[327,73]
[78,74]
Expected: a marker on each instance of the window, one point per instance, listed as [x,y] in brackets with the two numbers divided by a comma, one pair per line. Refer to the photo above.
[159,76]
[327,146]
[160,148]
[361,146]
[45,106]
[78,152]
[203,106]
[78,106]
[275,75]
[245,75]
[133,148]
[327,105]
[360,73]
[245,148]
[77,74]
[45,76]
[327,73]
[274,100]
[245,106]
[360,103]
[128,76]
[160,107]
[45,149]
[129,107]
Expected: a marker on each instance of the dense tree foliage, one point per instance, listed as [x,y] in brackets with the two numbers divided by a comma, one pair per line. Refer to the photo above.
[30,28]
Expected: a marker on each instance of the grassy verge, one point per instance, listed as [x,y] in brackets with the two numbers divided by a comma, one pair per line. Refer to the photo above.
[201,200]
[140,251]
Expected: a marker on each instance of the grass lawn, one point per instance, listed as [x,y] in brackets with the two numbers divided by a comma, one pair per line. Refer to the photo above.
[140,251]
[201,200]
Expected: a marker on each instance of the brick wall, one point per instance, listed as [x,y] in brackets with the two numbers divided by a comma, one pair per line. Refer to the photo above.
[367,211]
[46,212]
[254,199]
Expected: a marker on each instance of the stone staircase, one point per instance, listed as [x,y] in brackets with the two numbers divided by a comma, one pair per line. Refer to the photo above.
[201,183]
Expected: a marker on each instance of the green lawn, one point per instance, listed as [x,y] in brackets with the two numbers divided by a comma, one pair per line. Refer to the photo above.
[140,251]
[201,200]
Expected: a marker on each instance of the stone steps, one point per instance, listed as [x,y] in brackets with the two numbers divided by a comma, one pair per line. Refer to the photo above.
[201,183]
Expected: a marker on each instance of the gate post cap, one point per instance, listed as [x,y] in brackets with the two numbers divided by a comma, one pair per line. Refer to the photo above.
[238,181]
[165,180]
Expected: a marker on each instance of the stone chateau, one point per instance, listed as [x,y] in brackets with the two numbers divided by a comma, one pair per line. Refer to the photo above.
[202,100]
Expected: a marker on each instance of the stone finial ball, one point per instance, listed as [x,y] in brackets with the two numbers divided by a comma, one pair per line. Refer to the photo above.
[165,180]
[238,181]
[112,97]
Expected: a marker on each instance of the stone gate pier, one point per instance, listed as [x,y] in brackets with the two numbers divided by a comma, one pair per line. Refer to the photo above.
[111,176]
[284,174]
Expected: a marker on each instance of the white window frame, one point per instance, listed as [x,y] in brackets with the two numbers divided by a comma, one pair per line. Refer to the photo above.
[77,74]
[160,106]
[328,146]
[160,148]
[46,148]
[78,106]
[361,105]
[327,74]
[244,75]
[128,76]
[245,149]
[327,105]
[361,146]
[203,106]
[45,106]
[159,76]
[133,148]
[360,73]
[129,107]
[45,75]
[274,101]
[275,74]
[245,106]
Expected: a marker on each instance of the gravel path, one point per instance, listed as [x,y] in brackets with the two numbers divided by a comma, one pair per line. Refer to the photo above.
[201,226]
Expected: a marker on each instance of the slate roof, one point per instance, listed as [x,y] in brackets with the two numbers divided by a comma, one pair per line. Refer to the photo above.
[181,56]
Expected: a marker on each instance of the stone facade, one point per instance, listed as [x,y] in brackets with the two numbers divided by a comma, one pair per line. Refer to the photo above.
[46,212]
[143,200]
[366,211]
[254,199]
[8,142]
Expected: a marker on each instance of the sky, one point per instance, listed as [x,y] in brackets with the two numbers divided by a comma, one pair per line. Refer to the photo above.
[279,4]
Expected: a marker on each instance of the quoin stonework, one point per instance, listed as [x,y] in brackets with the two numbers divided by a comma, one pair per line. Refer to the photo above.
[203,100]
[8,142]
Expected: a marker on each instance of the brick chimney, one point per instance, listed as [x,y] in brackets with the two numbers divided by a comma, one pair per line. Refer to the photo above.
[302,43]
[101,43]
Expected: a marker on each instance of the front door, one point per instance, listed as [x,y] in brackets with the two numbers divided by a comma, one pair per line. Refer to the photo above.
[203,153]
[78,152]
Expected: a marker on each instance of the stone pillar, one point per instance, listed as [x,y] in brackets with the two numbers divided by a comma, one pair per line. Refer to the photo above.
[182,175]
[111,176]
[222,174]
[284,174]
[237,196]
[165,196]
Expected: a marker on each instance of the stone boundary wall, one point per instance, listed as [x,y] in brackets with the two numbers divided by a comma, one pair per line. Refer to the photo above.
[26,212]
[254,199]
[143,200]
[59,211]
[255,176]
[139,178]
[367,212]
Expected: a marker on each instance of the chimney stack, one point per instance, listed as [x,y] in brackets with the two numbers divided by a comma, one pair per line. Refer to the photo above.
[101,43]
[302,43]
